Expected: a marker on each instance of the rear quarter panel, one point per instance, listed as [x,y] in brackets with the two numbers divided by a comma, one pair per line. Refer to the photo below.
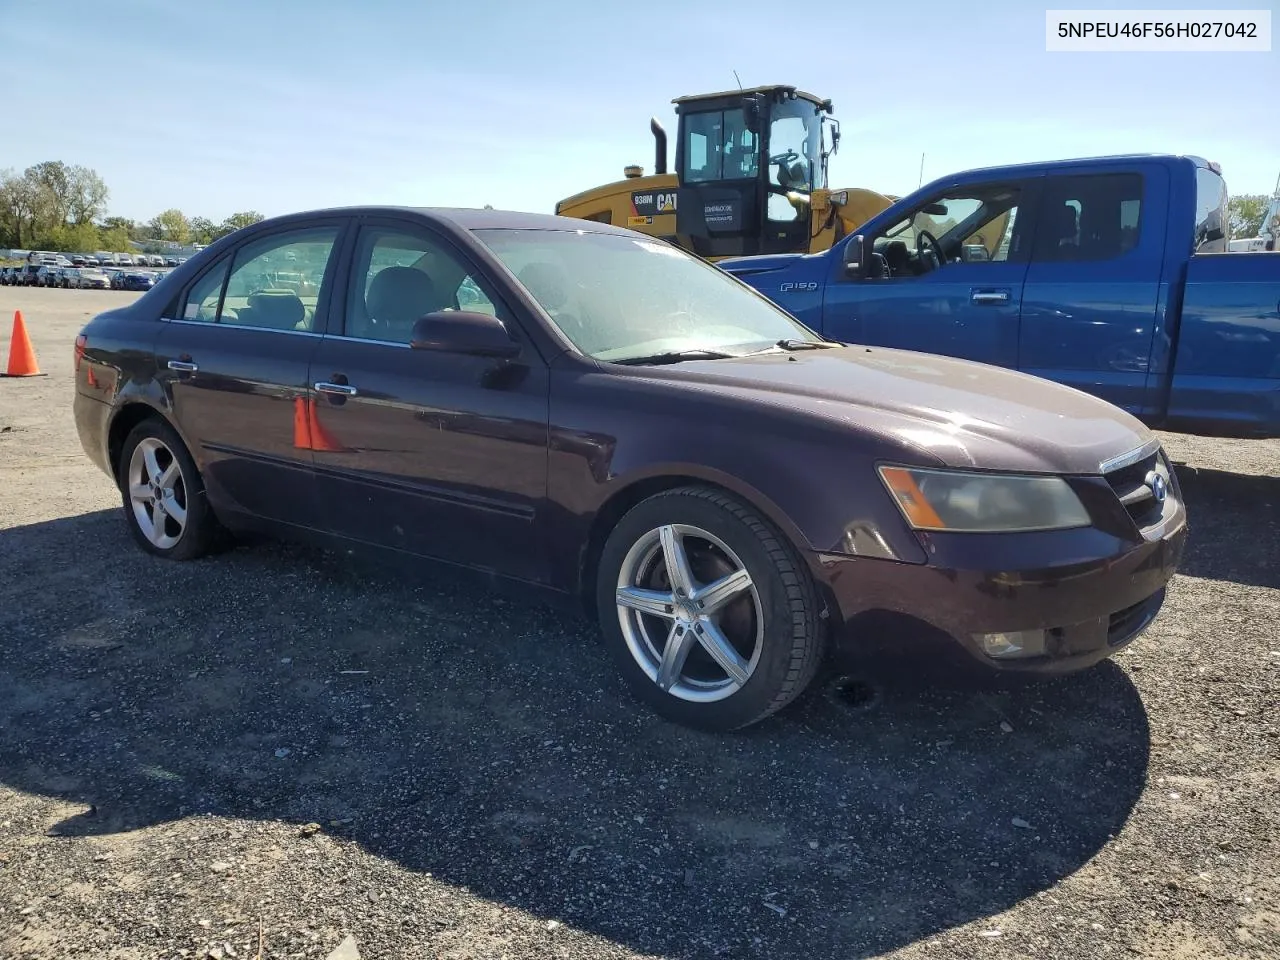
[1226,368]
[117,370]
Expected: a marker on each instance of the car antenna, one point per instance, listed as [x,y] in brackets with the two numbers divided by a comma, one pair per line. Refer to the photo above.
[735,77]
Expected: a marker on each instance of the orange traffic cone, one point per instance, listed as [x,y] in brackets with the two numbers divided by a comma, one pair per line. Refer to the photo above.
[321,439]
[22,356]
[301,425]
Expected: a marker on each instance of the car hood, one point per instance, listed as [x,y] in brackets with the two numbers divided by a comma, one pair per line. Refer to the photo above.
[963,413]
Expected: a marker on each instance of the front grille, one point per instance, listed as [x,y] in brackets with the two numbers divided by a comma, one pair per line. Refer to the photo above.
[1126,624]
[1130,484]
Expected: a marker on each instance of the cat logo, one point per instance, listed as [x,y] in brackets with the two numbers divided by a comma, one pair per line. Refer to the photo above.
[791,286]
[648,203]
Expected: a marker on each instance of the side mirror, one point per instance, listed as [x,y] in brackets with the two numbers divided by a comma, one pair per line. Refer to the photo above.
[463,331]
[855,252]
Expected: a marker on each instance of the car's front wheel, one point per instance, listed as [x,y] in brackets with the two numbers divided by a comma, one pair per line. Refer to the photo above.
[712,618]
[164,498]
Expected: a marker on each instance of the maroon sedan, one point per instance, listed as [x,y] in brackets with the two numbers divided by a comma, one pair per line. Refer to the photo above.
[586,410]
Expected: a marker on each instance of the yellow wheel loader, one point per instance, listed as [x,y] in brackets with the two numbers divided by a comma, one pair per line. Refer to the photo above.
[750,178]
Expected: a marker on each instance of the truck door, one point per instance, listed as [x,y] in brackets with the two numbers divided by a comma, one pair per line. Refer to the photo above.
[946,278]
[1094,282]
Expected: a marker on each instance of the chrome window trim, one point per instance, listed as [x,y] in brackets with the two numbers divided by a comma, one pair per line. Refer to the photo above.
[241,326]
[294,333]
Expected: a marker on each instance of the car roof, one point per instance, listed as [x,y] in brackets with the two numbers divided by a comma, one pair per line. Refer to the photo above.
[464,218]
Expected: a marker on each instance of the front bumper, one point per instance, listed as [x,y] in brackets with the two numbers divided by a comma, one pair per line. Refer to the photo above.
[1091,592]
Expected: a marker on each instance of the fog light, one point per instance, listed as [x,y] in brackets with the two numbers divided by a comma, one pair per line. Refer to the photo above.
[1012,644]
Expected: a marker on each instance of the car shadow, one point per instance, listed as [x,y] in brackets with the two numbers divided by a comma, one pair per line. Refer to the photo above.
[1234,521]
[489,743]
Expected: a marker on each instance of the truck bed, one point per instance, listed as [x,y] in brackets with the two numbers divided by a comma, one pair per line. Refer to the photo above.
[1226,366]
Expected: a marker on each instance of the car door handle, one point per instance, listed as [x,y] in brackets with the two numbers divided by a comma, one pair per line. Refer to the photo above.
[989,296]
[342,389]
[182,366]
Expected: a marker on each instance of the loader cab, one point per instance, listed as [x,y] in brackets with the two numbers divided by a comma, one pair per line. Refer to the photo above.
[748,162]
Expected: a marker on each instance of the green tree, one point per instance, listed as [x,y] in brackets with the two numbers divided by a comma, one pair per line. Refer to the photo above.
[203,230]
[70,238]
[238,221]
[86,196]
[113,239]
[1245,213]
[54,180]
[20,206]
[118,223]
[171,225]
[47,197]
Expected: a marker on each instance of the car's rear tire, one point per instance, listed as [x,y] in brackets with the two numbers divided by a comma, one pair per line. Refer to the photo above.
[163,493]
[714,659]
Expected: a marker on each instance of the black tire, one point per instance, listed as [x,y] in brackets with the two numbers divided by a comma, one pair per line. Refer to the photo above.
[201,531]
[794,634]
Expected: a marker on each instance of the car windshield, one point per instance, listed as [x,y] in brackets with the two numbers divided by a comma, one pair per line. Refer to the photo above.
[619,298]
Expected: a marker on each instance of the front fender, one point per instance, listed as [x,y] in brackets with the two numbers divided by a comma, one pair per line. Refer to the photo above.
[814,479]
[793,282]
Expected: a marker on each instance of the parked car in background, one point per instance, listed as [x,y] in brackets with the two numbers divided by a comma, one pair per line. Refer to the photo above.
[1109,275]
[137,280]
[623,425]
[92,278]
[47,275]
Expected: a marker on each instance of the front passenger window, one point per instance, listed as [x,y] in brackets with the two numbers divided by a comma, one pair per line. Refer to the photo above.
[275,282]
[400,276]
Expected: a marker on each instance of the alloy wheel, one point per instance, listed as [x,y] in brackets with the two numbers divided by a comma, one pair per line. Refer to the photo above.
[157,493]
[690,613]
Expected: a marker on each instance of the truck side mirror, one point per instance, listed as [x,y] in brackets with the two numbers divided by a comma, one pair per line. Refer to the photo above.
[855,257]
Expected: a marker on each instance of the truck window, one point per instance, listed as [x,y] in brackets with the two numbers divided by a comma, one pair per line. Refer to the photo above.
[1094,217]
[975,225]
[1211,212]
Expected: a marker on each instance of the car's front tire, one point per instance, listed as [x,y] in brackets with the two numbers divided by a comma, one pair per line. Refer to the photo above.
[164,498]
[734,636]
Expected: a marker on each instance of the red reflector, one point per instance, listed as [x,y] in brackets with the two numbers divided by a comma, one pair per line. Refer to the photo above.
[81,341]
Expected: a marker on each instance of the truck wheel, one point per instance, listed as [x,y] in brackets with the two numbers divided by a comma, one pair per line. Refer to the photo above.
[709,613]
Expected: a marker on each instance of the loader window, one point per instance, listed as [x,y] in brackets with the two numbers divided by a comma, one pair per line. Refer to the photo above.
[718,146]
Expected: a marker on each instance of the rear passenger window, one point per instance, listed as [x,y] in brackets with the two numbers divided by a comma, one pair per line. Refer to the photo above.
[203,298]
[275,282]
[400,276]
[1089,218]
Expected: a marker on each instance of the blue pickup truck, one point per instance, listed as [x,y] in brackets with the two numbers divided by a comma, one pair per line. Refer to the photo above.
[1108,274]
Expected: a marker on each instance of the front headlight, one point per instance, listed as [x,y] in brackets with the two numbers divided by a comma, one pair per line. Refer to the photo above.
[958,502]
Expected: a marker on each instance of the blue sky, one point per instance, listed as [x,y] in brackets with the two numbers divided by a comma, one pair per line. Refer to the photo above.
[279,105]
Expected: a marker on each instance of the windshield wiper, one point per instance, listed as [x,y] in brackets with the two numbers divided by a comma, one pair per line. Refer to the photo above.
[676,356]
[794,344]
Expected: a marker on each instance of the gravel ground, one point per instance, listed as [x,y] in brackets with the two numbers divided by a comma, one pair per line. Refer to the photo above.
[278,743]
